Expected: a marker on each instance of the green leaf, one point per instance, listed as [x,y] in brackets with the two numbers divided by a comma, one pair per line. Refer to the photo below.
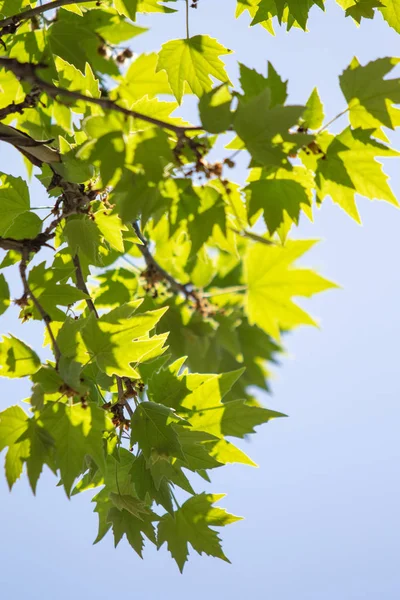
[298,10]
[25,226]
[130,504]
[391,13]
[272,283]
[15,219]
[201,407]
[41,447]
[115,346]
[44,284]
[83,235]
[363,9]
[152,428]
[4,294]
[91,28]
[103,506]
[313,115]
[215,109]
[142,79]
[149,487]
[13,423]
[111,227]
[370,97]
[191,525]
[237,418]
[194,61]
[253,84]
[16,358]
[124,523]
[351,167]
[77,431]
[265,131]
[278,199]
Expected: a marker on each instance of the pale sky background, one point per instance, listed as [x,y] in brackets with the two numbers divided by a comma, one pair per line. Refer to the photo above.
[322,517]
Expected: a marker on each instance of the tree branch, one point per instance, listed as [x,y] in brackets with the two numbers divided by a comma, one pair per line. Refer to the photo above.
[27,72]
[16,20]
[190,293]
[29,101]
[177,287]
[81,285]
[28,293]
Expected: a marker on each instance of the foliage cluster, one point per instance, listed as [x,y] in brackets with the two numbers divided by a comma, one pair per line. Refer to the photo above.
[163,286]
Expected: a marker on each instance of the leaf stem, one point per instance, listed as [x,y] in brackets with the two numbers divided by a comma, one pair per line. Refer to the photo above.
[333,120]
[229,290]
[187,19]
[81,285]
[45,316]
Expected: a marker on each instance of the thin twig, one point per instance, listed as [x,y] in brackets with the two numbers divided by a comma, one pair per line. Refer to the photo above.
[29,101]
[151,262]
[17,19]
[229,290]
[27,72]
[121,397]
[45,316]
[333,120]
[81,285]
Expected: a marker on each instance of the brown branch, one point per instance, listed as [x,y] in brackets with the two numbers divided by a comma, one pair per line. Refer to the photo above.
[16,20]
[27,72]
[121,397]
[81,285]
[29,101]
[191,294]
[180,288]
[28,293]
[74,201]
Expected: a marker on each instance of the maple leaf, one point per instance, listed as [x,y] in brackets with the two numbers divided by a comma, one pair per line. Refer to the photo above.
[363,9]
[151,481]
[41,450]
[278,198]
[191,525]
[16,358]
[4,294]
[350,167]
[253,83]
[313,116]
[391,13]
[265,131]
[298,10]
[115,346]
[124,523]
[13,423]
[192,60]
[370,97]
[77,431]
[273,282]
[152,429]
[15,219]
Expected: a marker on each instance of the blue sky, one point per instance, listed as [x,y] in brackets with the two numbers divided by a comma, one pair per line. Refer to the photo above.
[322,517]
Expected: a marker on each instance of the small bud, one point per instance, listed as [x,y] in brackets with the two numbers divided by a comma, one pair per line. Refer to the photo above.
[102,50]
